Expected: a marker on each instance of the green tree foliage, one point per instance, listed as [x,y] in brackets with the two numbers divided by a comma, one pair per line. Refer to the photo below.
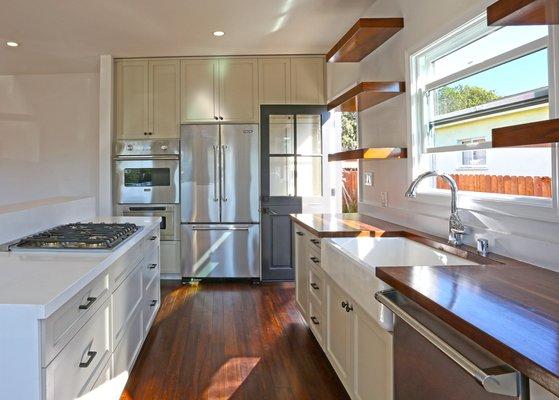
[349,131]
[460,97]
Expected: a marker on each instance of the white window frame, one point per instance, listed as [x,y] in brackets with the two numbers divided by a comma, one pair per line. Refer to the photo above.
[522,206]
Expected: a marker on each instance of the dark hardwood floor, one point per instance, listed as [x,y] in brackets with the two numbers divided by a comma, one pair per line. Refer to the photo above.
[231,341]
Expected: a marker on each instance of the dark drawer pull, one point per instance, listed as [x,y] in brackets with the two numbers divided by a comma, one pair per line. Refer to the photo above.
[152,266]
[315,321]
[300,233]
[344,304]
[349,308]
[315,260]
[153,303]
[315,241]
[314,286]
[91,355]
[153,238]
[90,301]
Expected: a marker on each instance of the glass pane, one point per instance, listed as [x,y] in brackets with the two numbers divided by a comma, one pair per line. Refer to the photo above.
[309,176]
[146,177]
[508,171]
[282,176]
[491,45]
[309,137]
[281,134]
[509,94]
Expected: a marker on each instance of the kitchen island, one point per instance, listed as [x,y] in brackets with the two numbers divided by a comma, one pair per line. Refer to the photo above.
[73,320]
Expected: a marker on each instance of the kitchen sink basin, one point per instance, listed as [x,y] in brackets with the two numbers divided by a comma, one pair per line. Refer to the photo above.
[351,262]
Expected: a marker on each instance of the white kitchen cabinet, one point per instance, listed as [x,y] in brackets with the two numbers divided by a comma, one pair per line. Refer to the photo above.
[199,90]
[338,331]
[164,98]
[171,258]
[274,80]
[301,271]
[372,358]
[238,90]
[147,99]
[132,99]
[127,350]
[126,300]
[307,80]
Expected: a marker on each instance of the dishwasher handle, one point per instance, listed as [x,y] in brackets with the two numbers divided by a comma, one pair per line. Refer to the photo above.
[506,381]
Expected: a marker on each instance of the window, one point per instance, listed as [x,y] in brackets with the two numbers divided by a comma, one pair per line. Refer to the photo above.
[473,80]
[295,155]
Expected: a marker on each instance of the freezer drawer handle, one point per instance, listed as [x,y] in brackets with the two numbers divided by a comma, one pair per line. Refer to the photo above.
[220,228]
[506,381]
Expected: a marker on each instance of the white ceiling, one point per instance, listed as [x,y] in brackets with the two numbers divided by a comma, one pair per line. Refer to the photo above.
[69,35]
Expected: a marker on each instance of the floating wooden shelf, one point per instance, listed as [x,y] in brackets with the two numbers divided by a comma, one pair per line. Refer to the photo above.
[365,95]
[370,153]
[363,38]
[523,12]
[541,132]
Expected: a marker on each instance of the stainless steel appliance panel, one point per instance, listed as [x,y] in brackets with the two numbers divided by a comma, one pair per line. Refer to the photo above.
[199,183]
[240,173]
[220,251]
[142,148]
[147,180]
[170,217]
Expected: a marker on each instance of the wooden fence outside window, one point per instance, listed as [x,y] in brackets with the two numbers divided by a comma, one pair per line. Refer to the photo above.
[536,186]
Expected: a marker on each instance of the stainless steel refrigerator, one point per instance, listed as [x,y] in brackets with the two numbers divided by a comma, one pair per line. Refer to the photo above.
[219,187]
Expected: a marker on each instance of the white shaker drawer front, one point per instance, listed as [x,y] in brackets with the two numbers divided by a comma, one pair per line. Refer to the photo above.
[125,264]
[127,350]
[125,300]
[77,367]
[317,286]
[151,267]
[151,241]
[59,328]
[151,304]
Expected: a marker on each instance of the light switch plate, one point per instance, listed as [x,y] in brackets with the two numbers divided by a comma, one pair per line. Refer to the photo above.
[384,199]
[368,178]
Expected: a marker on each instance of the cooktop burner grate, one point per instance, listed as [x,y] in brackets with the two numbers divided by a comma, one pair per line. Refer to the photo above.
[80,236]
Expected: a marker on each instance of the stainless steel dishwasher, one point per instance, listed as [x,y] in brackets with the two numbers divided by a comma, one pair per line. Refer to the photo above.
[433,361]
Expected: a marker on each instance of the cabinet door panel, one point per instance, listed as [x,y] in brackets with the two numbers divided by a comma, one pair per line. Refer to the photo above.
[372,359]
[338,336]
[301,271]
[132,108]
[274,84]
[238,90]
[164,99]
[307,80]
[199,90]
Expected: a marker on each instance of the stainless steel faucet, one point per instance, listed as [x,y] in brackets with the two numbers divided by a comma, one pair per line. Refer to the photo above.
[456,228]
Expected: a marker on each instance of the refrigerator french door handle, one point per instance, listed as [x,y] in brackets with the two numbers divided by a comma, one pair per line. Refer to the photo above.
[224,147]
[216,177]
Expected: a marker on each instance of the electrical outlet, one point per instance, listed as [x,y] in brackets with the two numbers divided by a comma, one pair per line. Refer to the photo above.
[384,199]
[369,178]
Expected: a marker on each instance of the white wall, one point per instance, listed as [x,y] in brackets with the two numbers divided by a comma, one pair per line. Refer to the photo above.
[533,238]
[48,136]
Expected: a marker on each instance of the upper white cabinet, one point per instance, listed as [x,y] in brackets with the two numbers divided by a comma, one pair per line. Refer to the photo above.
[274,83]
[307,80]
[132,102]
[199,90]
[238,90]
[147,99]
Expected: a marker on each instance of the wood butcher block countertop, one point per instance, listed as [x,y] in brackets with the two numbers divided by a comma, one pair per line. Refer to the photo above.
[506,306]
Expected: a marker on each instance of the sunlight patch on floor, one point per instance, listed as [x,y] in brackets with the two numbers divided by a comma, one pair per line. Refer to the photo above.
[230,377]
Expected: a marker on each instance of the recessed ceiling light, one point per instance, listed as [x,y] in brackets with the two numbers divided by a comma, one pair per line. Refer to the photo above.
[219,33]
[12,44]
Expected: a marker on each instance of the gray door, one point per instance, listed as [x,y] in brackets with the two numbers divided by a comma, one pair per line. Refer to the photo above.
[200,174]
[220,251]
[239,173]
[288,139]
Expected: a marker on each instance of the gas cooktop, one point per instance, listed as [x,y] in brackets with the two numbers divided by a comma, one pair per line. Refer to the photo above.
[79,236]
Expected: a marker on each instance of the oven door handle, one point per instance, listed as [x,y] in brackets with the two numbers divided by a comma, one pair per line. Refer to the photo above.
[146,158]
[505,381]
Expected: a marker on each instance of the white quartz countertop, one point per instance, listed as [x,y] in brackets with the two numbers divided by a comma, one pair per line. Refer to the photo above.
[37,283]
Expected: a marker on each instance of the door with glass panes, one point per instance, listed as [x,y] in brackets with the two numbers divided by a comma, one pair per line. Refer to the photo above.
[291,165]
